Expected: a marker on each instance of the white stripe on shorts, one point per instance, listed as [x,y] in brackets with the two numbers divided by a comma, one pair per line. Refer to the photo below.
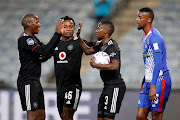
[76,99]
[27,95]
[114,100]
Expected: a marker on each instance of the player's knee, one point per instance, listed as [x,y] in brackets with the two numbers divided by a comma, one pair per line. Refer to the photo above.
[42,117]
[68,115]
[140,116]
[32,117]
[155,117]
[62,116]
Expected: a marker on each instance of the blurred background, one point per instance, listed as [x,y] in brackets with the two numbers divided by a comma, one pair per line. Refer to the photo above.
[123,14]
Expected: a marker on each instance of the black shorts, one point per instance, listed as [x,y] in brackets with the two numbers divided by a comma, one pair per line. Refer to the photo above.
[68,97]
[110,100]
[31,96]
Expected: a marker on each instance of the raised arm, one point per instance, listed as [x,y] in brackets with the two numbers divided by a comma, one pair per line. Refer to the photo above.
[30,43]
[87,50]
[53,42]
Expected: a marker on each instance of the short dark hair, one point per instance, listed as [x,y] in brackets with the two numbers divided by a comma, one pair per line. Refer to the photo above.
[109,26]
[68,18]
[148,10]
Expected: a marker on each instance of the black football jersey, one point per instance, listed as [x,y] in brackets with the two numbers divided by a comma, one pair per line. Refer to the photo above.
[31,51]
[112,49]
[67,61]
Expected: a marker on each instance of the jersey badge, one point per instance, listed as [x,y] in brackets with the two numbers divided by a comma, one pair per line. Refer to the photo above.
[30,41]
[155,45]
[70,47]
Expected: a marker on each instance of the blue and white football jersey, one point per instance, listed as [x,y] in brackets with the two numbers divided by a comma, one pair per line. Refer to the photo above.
[156,72]
[154,56]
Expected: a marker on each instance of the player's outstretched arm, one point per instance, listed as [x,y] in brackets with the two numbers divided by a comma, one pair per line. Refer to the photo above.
[114,65]
[45,50]
[87,50]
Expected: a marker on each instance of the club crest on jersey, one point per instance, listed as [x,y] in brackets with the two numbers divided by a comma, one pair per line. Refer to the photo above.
[70,47]
[62,56]
[30,41]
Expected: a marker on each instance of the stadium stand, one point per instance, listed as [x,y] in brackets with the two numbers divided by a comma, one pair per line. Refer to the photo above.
[166,20]
[49,12]
[132,68]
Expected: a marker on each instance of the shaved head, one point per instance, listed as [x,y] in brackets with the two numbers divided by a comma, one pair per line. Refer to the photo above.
[27,19]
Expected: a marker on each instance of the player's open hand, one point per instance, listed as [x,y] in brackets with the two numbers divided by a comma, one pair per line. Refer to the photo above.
[59,26]
[152,93]
[79,29]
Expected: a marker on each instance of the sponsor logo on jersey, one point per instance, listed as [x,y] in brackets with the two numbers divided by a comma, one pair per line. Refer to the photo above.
[62,56]
[112,54]
[110,42]
[146,55]
[70,47]
[56,48]
[30,41]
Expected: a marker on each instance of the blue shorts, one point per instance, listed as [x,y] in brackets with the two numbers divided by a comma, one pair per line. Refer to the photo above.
[163,89]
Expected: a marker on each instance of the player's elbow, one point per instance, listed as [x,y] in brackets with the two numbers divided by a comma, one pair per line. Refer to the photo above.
[115,67]
[87,52]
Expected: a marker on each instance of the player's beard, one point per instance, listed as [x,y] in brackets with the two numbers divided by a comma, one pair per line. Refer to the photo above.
[69,38]
[99,39]
[139,28]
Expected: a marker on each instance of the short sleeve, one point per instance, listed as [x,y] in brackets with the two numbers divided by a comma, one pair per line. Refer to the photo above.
[114,53]
[88,43]
[97,47]
[155,42]
[28,43]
